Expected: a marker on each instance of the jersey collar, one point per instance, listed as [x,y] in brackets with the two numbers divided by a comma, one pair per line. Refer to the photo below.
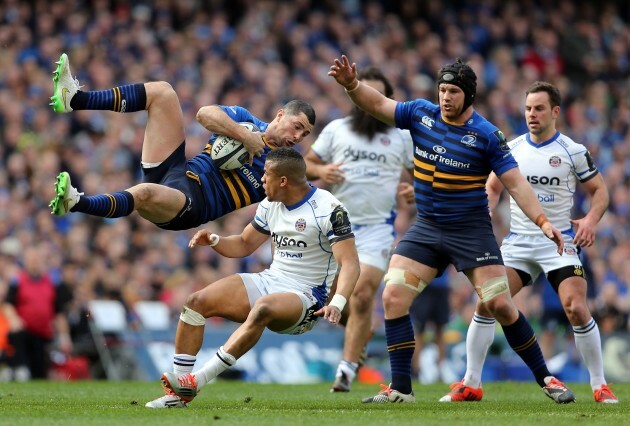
[542,144]
[303,200]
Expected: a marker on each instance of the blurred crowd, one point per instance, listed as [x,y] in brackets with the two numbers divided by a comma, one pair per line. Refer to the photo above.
[260,54]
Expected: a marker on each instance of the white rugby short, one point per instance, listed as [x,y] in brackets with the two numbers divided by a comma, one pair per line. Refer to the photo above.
[374,244]
[260,284]
[534,254]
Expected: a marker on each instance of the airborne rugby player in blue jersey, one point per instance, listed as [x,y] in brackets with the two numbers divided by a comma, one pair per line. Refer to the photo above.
[177,193]
[455,149]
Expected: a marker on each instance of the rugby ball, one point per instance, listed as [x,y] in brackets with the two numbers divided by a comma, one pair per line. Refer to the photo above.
[228,153]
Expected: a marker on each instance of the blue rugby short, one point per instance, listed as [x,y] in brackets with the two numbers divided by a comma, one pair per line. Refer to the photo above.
[466,245]
[172,173]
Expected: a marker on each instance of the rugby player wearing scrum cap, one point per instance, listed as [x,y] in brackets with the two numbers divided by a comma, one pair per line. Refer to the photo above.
[455,150]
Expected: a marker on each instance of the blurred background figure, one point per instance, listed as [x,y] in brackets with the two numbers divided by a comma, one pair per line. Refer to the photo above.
[12,338]
[39,303]
[430,313]
[353,156]
[553,321]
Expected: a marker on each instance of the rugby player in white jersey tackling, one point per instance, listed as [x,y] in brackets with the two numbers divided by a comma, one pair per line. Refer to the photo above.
[362,160]
[311,235]
[553,164]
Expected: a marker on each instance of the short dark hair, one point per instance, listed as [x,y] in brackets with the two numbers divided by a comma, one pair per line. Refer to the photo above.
[462,76]
[288,162]
[542,86]
[297,106]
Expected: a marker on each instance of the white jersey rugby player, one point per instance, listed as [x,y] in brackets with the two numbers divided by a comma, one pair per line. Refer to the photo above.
[372,173]
[553,169]
[303,262]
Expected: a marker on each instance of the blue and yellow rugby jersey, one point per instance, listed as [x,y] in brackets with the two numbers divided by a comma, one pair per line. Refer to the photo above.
[452,163]
[227,190]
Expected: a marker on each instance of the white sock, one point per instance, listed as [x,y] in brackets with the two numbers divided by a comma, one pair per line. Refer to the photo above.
[348,368]
[220,362]
[183,363]
[478,340]
[589,345]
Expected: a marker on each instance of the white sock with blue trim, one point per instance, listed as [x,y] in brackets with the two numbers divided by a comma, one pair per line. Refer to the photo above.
[478,340]
[183,363]
[589,344]
[220,362]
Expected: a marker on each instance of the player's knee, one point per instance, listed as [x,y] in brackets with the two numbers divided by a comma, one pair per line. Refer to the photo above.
[396,299]
[361,301]
[398,282]
[390,299]
[495,296]
[159,89]
[142,194]
[576,309]
[261,313]
[194,301]
[500,307]
[482,310]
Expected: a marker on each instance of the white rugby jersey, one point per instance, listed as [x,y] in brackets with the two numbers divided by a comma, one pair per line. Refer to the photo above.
[553,169]
[372,168]
[302,236]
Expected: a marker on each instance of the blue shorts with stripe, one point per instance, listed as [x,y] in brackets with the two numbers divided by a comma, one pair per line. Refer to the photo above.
[172,173]
[466,244]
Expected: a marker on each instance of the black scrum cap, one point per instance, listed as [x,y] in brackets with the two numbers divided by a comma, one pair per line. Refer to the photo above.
[462,76]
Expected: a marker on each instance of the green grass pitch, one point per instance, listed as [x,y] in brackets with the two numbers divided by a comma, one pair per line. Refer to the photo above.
[241,403]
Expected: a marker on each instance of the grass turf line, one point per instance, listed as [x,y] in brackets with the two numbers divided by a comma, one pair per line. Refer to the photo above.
[241,403]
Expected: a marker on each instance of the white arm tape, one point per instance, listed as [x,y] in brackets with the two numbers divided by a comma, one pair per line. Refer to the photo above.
[215,239]
[354,88]
[338,301]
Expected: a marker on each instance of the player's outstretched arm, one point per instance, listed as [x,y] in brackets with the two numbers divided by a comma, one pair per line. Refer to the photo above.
[526,198]
[345,253]
[213,118]
[365,97]
[233,246]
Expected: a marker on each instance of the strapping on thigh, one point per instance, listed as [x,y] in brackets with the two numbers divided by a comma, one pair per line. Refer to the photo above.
[493,288]
[398,276]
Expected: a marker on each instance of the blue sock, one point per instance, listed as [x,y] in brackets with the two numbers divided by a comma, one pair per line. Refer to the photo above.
[117,204]
[127,98]
[400,345]
[522,339]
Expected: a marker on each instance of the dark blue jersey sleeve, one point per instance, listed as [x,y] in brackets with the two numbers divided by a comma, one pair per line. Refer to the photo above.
[240,114]
[501,159]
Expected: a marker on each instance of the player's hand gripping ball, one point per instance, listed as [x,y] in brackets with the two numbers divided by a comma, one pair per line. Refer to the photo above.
[228,153]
